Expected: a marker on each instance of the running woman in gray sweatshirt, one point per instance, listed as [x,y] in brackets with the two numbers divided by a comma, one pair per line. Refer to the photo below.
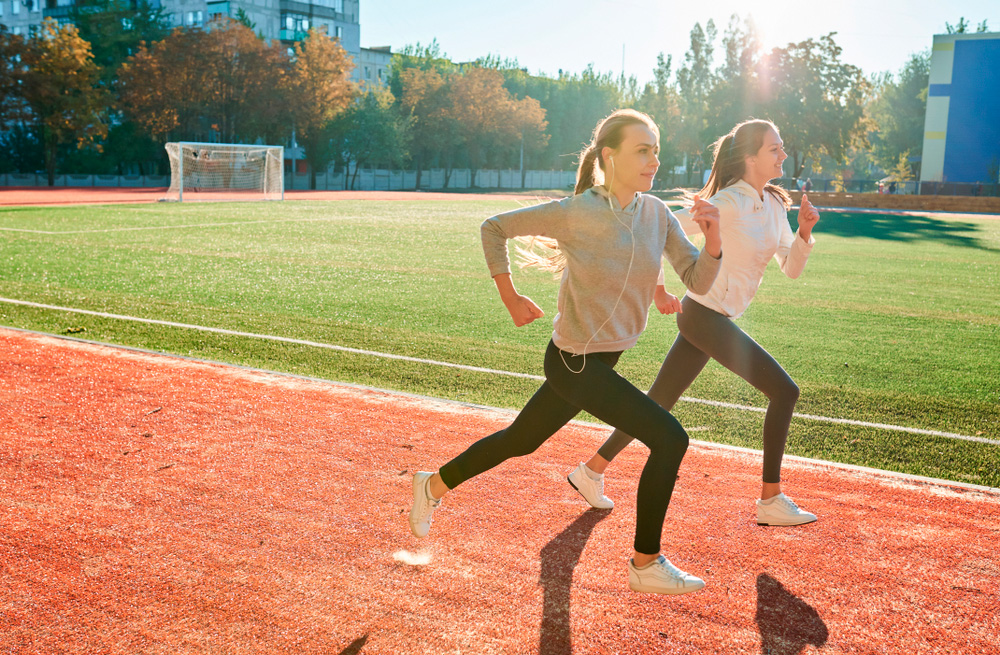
[755,229]
[609,242]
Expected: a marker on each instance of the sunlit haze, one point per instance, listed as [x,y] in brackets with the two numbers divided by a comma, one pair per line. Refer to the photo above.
[548,36]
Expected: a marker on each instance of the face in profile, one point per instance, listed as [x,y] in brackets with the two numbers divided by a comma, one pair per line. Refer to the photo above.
[766,164]
[633,165]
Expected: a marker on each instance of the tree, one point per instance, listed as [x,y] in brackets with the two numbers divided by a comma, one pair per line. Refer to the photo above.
[897,110]
[661,101]
[425,101]
[424,58]
[902,171]
[483,112]
[371,131]
[816,100]
[963,27]
[695,81]
[235,89]
[11,102]
[529,122]
[59,85]
[116,29]
[734,96]
[320,84]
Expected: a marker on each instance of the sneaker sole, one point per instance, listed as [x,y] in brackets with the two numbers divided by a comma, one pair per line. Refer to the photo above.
[667,592]
[417,489]
[787,525]
[585,498]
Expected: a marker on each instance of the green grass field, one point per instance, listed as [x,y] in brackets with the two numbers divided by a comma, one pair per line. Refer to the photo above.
[896,319]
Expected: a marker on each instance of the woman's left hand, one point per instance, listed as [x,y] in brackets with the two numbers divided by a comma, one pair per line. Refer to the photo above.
[666,302]
[706,215]
[808,217]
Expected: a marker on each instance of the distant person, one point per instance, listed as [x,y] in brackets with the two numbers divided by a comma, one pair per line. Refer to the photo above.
[609,239]
[755,229]
[807,186]
[892,187]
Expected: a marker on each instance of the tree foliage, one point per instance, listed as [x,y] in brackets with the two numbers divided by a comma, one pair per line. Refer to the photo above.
[816,100]
[234,89]
[896,112]
[320,84]
[371,131]
[116,29]
[58,83]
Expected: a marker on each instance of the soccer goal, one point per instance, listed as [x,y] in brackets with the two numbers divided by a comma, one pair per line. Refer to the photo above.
[225,171]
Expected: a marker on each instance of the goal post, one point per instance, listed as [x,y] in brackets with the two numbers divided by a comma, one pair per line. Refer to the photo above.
[225,171]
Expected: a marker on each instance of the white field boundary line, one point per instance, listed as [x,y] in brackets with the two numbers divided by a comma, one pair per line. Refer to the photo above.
[458,405]
[168,227]
[477,369]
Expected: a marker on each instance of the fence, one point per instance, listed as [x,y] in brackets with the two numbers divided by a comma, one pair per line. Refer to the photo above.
[367,180]
[387,180]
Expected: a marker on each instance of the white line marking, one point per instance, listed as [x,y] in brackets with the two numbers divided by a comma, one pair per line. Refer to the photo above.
[478,369]
[167,227]
[438,403]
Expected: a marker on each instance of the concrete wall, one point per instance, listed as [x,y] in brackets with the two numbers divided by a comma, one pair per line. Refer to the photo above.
[958,204]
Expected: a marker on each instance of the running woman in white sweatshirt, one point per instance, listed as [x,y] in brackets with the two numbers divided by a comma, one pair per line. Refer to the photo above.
[610,240]
[755,229]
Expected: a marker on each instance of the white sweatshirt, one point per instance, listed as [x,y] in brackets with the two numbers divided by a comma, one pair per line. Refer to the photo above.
[753,231]
[603,305]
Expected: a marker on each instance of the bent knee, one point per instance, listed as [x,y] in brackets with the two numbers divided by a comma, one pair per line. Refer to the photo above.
[787,392]
[674,441]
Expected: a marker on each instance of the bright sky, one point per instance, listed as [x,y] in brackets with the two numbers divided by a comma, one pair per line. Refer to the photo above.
[548,35]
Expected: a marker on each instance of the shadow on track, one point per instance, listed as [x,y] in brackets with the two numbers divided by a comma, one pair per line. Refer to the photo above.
[787,624]
[559,557]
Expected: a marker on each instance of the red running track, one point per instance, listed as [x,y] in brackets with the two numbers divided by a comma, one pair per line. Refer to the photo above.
[150,504]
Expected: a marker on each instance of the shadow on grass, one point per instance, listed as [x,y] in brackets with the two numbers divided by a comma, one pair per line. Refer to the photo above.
[787,624]
[898,227]
[559,557]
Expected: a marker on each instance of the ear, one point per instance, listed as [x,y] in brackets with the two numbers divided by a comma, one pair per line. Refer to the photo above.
[607,153]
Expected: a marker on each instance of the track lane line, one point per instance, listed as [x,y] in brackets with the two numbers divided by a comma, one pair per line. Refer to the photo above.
[478,369]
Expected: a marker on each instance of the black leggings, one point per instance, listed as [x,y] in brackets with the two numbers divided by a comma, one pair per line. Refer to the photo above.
[599,390]
[704,334]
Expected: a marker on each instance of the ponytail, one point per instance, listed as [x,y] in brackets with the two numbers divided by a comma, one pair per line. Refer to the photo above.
[586,172]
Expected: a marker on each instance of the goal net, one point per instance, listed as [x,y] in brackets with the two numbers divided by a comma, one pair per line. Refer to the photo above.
[225,171]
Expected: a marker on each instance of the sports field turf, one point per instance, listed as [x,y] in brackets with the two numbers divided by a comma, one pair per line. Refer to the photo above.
[894,321]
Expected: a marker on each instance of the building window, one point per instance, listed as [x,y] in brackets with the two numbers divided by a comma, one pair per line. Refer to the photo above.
[15,6]
[338,32]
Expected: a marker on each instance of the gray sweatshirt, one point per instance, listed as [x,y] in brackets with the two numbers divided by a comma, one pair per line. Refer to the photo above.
[598,246]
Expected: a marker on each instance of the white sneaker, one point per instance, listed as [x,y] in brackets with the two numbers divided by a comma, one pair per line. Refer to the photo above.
[591,490]
[780,510]
[422,512]
[662,577]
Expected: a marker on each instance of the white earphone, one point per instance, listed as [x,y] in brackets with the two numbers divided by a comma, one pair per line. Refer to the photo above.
[631,260]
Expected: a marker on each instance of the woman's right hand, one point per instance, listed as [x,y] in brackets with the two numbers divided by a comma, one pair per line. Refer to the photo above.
[523,309]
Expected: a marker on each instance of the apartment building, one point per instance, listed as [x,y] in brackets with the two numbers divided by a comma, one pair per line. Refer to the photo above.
[286,20]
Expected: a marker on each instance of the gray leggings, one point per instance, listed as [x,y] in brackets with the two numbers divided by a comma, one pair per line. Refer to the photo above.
[704,334]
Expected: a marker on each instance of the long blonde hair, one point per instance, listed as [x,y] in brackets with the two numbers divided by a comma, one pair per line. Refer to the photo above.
[729,159]
[609,133]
